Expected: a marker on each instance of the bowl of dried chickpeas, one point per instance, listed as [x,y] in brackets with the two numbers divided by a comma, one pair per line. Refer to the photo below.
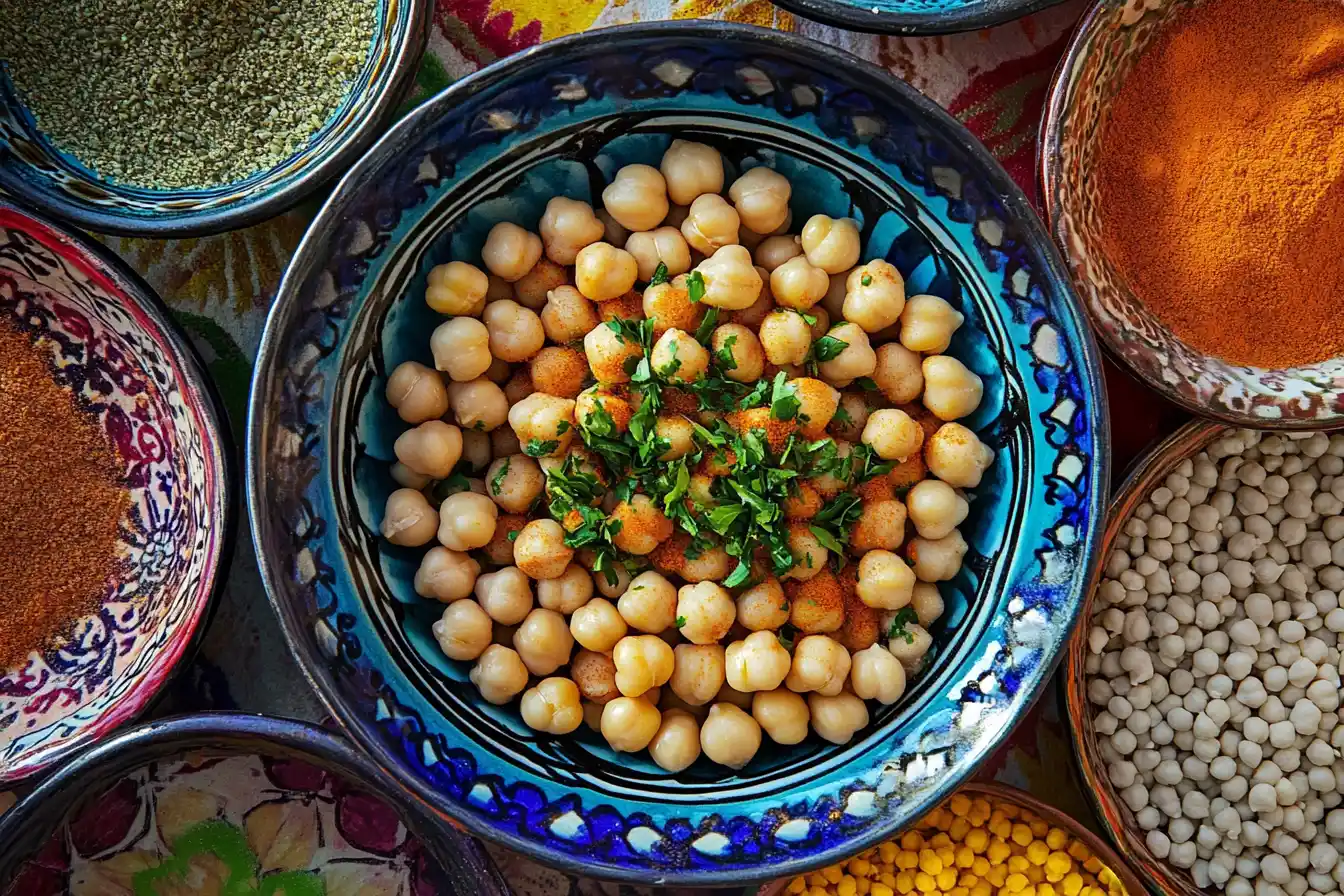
[681,460]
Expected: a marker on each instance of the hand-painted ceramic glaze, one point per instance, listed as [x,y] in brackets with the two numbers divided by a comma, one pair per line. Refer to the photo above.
[113,343]
[237,804]
[852,140]
[33,168]
[915,16]
[1110,38]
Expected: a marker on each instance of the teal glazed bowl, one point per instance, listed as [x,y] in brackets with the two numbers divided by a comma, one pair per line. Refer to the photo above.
[556,120]
[915,17]
[38,171]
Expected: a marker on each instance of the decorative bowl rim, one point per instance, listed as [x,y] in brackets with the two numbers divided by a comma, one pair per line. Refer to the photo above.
[1016,207]
[970,16]
[217,435]
[253,210]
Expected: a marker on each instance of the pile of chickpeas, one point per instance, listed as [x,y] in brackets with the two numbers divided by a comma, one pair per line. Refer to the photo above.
[656,653]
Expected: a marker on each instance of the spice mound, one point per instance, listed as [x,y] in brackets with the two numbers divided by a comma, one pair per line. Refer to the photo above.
[61,503]
[172,94]
[1221,180]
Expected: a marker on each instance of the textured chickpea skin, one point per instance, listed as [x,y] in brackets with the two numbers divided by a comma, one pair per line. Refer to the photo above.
[731,281]
[478,404]
[557,370]
[877,675]
[661,245]
[540,416]
[874,296]
[499,674]
[637,197]
[408,518]
[741,344]
[642,662]
[893,434]
[761,197]
[567,226]
[610,354]
[775,250]
[649,604]
[820,663]
[669,306]
[763,607]
[456,288]
[602,272]
[644,526]
[808,554]
[433,448]
[758,663]
[691,169]
[782,714]
[510,251]
[567,593]
[461,348]
[708,612]
[898,373]
[837,718]
[677,744]
[595,674]
[817,404]
[798,284]
[679,358]
[956,455]
[936,508]
[514,482]
[951,390]
[629,723]
[678,432]
[531,288]
[881,527]
[516,333]
[446,575]
[463,631]
[552,706]
[466,521]
[729,736]
[540,550]
[711,223]
[699,672]
[928,323]
[543,641]
[416,392]
[856,359]
[567,316]
[885,581]
[927,602]
[937,560]
[597,625]
[831,244]
[505,595]
[785,338]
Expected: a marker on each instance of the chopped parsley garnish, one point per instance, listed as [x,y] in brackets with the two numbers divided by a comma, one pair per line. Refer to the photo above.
[866,279]
[810,318]
[539,448]
[659,275]
[904,616]
[513,536]
[828,348]
[841,416]
[497,481]
[695,286]
[724,356]
[784,401]
[706,328]
[866,383]
[680,621]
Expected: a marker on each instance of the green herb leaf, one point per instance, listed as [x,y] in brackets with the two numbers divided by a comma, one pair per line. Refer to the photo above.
[866,383]
[705,331]
[724,356]
[842,417]
[740,574]
[513,536]
[680,621]
[784,401]
[539,448]
[904,616]
[828,348]
[695,286]
[866,279]
[827,540]
[497,481]
[810,318]
[659,275]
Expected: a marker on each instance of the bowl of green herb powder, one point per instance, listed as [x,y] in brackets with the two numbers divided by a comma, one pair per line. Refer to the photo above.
[173,118]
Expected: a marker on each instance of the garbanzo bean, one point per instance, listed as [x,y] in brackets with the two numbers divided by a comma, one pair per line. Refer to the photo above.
[785,337]
[705,612]
[797,284]
[677,744]
[817,405]
[543,641]
[463,631]
[610,354]
[885,581]
[604,409]
[856,359]
[898,373]
[407,478]
[831,244]
[837,717]
[927,602]
[737,353]
[711,224]
[552,706]
[669,306]
[731,281]
[758,663]
[540,550]
[567,315]
[629,723]
[691,169]
[505,595]
[557,370]
[877,675]
[408,518]
[874,296]
[597,625]
[729,736]
[912,648]
[678,358]
[956,455]
[642,662]
[782,714]
[417,393]
[602,272]
[937,560]
[644,526]
[820,664]
[446,575]
[761,197]
[775,250]
[456,288]
[893,434]
[678,432]
[544,418]
[649,604]
[478,405]
[699,672]
[466,521]
[566,227]
[595,674]
[530,290]
[431,449]
[927,324]
[936,508]
[510,251]
[662,245]
[637,197]
[516,333]
[499,674]
[808,553]
[514,482]
[461,348]
[951,390]
[568,592]
[763,607]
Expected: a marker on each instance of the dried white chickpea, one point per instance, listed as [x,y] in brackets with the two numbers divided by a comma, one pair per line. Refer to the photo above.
[611,356]
[597,625]
[644,526]
[711,224]
[602,272]
[662,245]
[820,663]
[544,418]
[817,402]
[798,284]
[761,197]
[407,478]
[691,169]
[478,404]
[951,391]
[543,641]
[433,448]
[856,359]
[927,324]
[911,648]
[456,288]
[510,251]
[629,723]
[540,550]
[416,392]
[516,333]
[678,358]
[877,675]
[785,338]
[757,663]
[885,581]
[408,518]
[530,290]
[567,316]
[782,714]
[669,306]
[808,553]
[467,521]
[775,250]
[567,226]
[505,595]
[893,434]
[461,348]
[499,674]
[937,560]
[552,705]
[463,631]
[649,604]
[831,244]
[729,736]
[637,197]
[705,612]
[678,432]
[568,592]
[642,662]
[763,607]
[898,373]
[731,281]
[956,455]
[741,345]
[874,295]
[936,508]
[677,744]
[699,673]
[514,482]
[837,718]
[927,602]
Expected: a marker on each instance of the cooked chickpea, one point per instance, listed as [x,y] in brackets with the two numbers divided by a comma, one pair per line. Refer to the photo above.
[775,250]
[834,300]
[463,631]
[629,723]
[705,612]
[831,244]
[956,455]
[663,245]
[552,705]
[763,607]
[530,290]
[808,554]
[476,453]
[669,306]
[432,449]
[499,288]
[782,714]
[643,525]
[893,434]
[567,315]
[850,417]
[407,478]
[729,736]
[597,625]
[837,718]
[456,288]
[898,373]
[711,224]
[612,581]
[677,744]
[510,251]
[937,560]
[514,482]
[797,284]
[461,348]
[713,564]
[679,358]
[936,508]
[758,663]
[478,405]
[504,442]
[519,385]
[877,675]
[753,315]
[649,604]
[761,197]
[951,391]
[499,674]
[540,550]
[874,295]
[698,674]
[817,402]
[637,197]
[567,226]
[786,338]
[927,324]
[678,432]
[731,281]
[604,410]
[544,418]
[611,356]
[738,343]
[592,716]
[691,169]
[881,527]
[595,674]
[408,518]
[446,575]
[568,592]
[822,325]
[543,641]
[612,231]
[727,694]
[466,521]
[885,581]
[505,595]
[516,333]
[557,370]
[642,662]
[912,648]
[820,663]
[602,272]
[856,359]
[416,392]
[927,603]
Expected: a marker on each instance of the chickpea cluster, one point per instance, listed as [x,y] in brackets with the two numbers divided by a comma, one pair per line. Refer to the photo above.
[683,334]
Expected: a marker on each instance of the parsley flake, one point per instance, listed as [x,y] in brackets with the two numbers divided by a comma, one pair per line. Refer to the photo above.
[866,279]
[497,481]
[828,348]
[539,448]
[695,286]
[904,616]
[784,401]
[659,275]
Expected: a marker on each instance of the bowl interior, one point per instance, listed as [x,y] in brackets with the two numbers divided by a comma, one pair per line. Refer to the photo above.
[915,16]
[1103,53]
[852,143]
[126,366]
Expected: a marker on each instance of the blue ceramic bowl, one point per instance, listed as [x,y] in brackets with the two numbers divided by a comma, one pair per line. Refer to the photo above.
[34,169]
[914,16]
[853,140]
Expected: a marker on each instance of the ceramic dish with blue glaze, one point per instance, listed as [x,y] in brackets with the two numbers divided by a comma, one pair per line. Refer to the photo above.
[34,169]
[915,16]
[854,141]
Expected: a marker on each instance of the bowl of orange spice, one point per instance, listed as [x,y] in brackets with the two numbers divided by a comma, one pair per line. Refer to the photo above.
[1192,166]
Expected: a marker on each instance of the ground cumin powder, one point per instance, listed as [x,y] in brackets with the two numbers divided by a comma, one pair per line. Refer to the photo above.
[61,503]
[1221,175]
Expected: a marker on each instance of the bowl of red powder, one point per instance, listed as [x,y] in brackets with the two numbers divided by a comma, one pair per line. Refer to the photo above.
[115,493]
[1192,159]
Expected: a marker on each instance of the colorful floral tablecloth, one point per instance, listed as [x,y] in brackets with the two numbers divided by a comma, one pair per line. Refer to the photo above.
[221,287]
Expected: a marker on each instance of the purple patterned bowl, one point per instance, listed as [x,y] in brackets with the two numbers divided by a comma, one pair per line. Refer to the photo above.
[218,797]
[112,340]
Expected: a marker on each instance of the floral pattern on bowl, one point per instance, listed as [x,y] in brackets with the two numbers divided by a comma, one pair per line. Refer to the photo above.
[114,344]
[1102,53]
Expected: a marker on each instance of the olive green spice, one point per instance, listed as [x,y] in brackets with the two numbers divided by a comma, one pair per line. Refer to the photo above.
[184,93]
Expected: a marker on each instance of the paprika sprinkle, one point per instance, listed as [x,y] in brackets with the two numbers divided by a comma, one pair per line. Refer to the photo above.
[61,504]
[1221,180]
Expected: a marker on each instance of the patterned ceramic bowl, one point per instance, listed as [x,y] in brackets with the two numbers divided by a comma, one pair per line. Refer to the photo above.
[113,342]
[915,16]
[34,169]
[221,796]
[853,141]
[1103,51]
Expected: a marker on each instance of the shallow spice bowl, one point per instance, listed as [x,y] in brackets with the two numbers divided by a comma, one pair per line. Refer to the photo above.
[852,140]
[1102,52]
[293,806]
[36,170]
[113,342]
[1115,816]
